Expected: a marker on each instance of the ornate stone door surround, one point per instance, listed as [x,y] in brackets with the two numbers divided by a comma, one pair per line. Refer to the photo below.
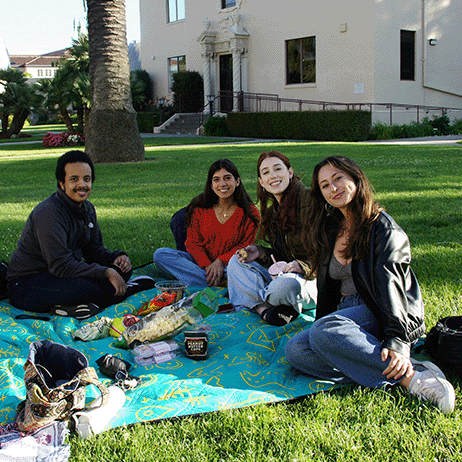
[225,36]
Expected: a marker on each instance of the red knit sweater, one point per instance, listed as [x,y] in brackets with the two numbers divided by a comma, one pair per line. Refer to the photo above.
[208,239]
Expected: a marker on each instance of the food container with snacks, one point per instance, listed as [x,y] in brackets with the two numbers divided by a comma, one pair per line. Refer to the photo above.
[172,287]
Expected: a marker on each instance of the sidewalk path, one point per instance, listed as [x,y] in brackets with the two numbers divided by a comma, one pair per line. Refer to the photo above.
[449,139]
[436,140]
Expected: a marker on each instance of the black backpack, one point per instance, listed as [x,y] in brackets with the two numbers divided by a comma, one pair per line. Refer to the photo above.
[444,343]
[3,270]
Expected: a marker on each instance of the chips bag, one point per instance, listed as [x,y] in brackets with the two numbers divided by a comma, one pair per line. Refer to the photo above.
[170,320]
[156,303]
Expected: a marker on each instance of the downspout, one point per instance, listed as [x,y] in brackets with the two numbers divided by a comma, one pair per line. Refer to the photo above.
[424,42]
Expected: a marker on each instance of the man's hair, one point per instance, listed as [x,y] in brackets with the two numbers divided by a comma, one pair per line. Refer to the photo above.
[72,157]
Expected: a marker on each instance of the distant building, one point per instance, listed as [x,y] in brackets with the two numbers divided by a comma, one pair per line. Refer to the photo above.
[38,66]
[134,55]
[355,52]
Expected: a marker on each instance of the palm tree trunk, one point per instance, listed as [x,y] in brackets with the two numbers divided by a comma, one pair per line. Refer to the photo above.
[66,119]
[19,118]
[111,134]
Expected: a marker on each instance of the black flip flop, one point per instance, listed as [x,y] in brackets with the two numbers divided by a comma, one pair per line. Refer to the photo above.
[80,312]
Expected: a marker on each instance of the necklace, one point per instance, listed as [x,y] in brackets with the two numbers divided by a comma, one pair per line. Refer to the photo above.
[228,212]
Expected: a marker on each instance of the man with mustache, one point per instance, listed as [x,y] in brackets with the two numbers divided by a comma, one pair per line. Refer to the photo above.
[61,265]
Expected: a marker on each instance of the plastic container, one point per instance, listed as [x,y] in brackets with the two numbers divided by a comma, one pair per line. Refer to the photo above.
[172,287]
[276,268]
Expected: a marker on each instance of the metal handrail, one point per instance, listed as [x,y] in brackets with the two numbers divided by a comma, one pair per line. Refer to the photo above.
[265,102]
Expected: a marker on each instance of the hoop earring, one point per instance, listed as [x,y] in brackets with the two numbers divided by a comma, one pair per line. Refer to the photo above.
[329,208]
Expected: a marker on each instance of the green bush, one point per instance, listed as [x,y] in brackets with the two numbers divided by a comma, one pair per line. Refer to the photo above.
[304,125]
[457,127]
[146,121]
[188,89]
[442,125]
[216,126]
[438,126]
[141,86]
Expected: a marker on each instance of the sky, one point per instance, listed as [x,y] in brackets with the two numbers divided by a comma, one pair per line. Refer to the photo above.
[30,27]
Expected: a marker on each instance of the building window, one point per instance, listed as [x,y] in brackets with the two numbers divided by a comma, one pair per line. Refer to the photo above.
[176,10]
[175,64]
[227,3]
[40,72]
[301,60]
[407,55]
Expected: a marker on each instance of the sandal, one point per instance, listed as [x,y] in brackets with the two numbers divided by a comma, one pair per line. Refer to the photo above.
[79,312]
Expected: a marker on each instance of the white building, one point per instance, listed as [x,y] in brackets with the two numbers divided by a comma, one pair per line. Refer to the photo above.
[4,57]
[38,66]
[357,51]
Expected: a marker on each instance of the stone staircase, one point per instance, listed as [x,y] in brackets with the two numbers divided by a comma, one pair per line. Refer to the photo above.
[181,124]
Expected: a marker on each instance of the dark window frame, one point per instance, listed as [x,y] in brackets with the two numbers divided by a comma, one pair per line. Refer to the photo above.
[407,55]
[301,60]
[181,62]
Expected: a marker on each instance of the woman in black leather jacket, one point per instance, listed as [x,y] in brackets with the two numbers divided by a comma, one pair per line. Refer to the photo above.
[369,310]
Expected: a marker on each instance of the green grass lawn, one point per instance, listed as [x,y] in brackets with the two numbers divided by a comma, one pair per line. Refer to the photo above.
[420,186]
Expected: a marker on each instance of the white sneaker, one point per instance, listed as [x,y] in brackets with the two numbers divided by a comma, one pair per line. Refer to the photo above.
[428,385]
[421,365]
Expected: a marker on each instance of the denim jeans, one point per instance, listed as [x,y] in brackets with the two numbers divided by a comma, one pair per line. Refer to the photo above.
[342,347]
[250,284]
[181,265]
[41,292]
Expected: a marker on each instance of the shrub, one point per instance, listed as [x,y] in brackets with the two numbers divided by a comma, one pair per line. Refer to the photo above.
[304,125]
[442,125]
[438,126]
[145,89]
[216,126]
[56,140]
[188,89]
[380,131]
[145,121]
[457,127]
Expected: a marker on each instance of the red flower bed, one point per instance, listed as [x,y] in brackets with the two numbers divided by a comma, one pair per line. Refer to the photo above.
[55,140]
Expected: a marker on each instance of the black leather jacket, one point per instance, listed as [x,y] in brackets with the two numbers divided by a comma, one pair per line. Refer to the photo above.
[386,283]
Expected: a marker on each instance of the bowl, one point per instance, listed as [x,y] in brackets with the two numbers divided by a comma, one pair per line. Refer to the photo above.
[172,287]
[276,268]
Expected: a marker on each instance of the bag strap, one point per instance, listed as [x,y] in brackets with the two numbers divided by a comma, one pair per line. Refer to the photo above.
[88,376]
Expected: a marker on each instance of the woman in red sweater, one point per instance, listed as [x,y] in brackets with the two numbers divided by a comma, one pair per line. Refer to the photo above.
[220,221]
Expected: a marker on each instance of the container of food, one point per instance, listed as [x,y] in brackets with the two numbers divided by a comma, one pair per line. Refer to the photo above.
[172,287]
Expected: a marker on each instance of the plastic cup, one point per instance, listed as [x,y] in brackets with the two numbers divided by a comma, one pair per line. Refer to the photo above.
[276,268]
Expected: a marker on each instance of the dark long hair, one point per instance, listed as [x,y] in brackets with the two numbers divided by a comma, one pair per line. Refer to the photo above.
[208,198]
[284,218]
[324,219]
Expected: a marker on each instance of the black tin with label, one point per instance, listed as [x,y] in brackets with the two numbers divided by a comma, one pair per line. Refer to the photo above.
[196,344]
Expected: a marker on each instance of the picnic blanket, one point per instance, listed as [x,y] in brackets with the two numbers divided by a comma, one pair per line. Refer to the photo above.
[246,364]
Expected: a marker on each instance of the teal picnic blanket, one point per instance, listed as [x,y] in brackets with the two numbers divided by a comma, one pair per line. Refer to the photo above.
[246,363]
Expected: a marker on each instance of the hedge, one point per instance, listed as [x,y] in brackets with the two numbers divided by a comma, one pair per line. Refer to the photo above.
[146,121]
[307,125]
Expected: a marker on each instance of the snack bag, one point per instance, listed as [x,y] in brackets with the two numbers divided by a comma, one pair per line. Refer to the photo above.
[170,320]
[156,303]
[119,325]
[94,330]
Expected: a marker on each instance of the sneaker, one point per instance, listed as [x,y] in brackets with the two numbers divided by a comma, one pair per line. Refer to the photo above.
[278,315]
[428,385]
[421,365]
[79,312]
[139,284]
